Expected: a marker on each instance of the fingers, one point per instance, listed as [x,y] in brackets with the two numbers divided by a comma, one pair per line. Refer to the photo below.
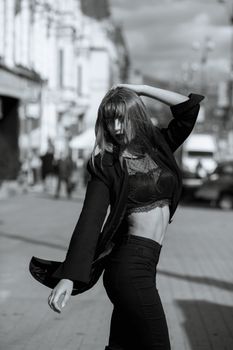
[66,298]
[60,295]
[113,87]
[52,307]
[50,301]
[54,298]
[133,87]
[53,302]
[116,86]
[50,298]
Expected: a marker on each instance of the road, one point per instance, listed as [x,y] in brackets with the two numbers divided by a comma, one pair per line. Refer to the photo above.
[194,279]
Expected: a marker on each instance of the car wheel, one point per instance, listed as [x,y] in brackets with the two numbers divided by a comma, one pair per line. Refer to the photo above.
[225,202]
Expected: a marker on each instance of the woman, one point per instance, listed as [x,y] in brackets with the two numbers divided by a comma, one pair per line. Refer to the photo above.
[129,143]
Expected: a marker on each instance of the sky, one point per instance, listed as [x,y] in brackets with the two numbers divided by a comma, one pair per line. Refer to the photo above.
[167,37]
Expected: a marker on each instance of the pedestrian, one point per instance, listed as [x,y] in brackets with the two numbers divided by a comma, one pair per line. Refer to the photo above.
[65,169]
[47,166]
[36,167]
[85,172]
[135,172]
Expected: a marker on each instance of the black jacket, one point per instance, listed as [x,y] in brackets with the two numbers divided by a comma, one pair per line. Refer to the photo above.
[106,195]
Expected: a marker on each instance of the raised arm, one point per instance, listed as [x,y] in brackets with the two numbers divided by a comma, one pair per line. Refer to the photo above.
[184,118]
[184,111]
[168,97]
[165,96]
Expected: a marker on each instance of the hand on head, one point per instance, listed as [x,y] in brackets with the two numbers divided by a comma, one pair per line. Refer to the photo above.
[133,87]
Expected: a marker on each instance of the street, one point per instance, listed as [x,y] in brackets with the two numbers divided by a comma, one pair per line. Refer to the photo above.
[194,279]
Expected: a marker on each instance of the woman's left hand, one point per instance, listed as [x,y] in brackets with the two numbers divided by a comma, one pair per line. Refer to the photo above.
[136,88]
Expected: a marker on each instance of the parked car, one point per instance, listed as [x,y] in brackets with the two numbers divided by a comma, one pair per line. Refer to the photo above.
[191,181]
[199,153]
[197,161]
[218,186]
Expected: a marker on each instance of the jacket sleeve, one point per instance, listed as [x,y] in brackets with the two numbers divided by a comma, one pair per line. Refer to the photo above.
[184,118]
[80,254]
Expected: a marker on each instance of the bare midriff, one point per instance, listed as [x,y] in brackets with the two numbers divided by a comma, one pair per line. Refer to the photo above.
[151,224]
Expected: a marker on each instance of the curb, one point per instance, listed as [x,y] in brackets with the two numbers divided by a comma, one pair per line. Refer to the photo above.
[10,189]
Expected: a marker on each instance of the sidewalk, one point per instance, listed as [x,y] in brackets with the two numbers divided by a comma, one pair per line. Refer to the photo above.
[12,188]
[194,280]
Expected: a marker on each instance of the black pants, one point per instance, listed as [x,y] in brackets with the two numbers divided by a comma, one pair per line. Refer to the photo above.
[68,184]
[138,320]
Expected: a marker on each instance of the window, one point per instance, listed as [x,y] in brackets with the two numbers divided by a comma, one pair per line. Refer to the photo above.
[80,80]
[60,67]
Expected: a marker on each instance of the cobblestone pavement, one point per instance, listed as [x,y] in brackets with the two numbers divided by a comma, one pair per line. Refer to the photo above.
[194,279]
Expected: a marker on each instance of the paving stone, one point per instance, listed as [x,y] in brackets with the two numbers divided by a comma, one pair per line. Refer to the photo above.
[194,279]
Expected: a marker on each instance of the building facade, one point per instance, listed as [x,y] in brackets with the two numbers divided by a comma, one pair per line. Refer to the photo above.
[57,60]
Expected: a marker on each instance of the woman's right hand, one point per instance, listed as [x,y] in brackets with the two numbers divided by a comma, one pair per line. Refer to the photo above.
[64,287]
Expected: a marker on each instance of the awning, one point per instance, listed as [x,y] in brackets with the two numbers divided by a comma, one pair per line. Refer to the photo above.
[85,140]
[17,86]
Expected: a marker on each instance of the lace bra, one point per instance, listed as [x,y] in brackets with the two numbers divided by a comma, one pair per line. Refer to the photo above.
[150,186]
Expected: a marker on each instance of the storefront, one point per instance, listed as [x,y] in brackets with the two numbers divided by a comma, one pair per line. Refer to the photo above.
[18,89]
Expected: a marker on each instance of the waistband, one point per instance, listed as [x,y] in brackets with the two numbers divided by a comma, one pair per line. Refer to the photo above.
[139,240]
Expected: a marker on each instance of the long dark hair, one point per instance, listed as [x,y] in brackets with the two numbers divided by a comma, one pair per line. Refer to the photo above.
[136,133]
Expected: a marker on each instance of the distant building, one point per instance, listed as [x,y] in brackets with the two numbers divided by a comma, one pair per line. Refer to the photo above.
[57,60]
[20,83]
[103,53]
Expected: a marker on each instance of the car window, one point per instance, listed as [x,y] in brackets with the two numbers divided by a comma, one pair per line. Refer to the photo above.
[228,169]
[224,169]
[202,154]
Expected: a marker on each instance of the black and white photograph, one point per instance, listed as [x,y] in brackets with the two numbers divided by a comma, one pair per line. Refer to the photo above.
[116,175]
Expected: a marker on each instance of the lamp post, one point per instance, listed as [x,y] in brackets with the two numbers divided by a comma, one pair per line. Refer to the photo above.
[229,116]
[205,48]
